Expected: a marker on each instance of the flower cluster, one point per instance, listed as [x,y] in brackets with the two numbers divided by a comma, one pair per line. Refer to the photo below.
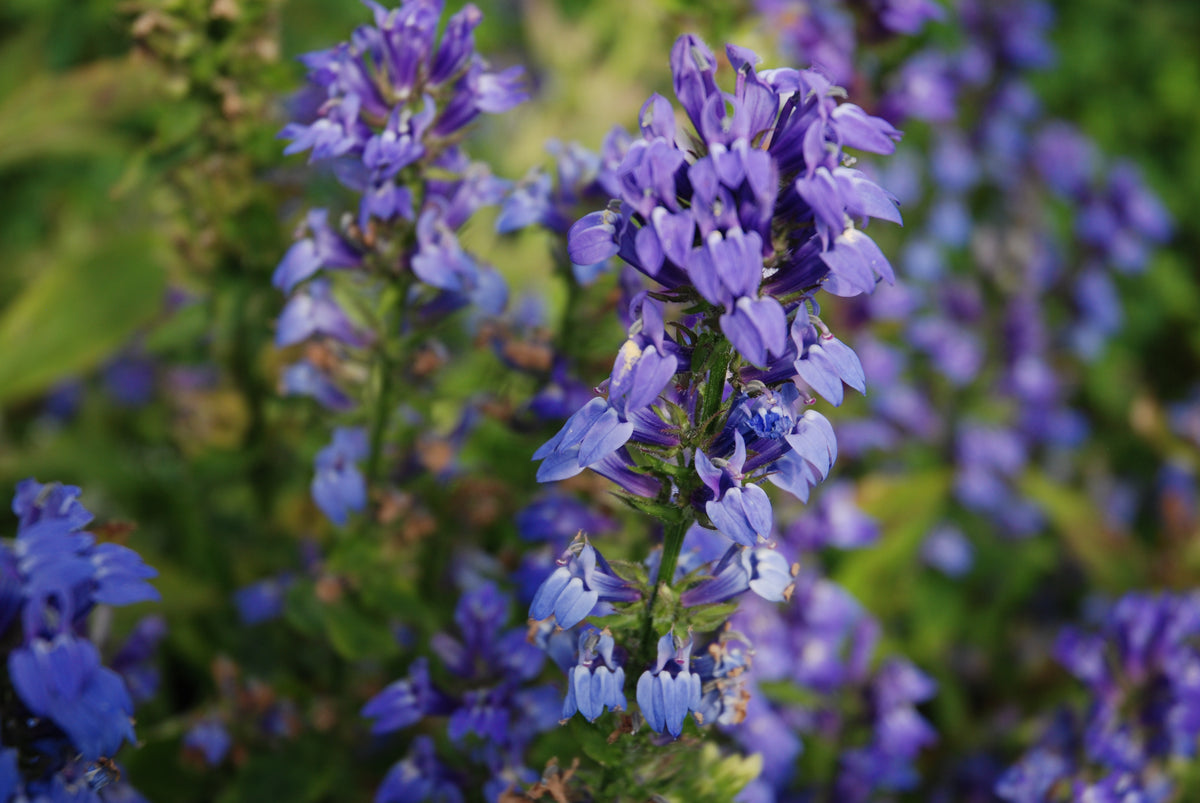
[1045,292]
[826,643]
[746,226]
[1142,672]
[491,711]
[70,713]
[388,109]
[743,222]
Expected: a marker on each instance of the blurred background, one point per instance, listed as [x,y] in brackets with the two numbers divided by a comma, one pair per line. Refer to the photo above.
[145,201]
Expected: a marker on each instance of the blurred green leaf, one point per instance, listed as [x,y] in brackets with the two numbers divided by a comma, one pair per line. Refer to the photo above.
[906,508]
[593,740]
[721,779]
[85,302]
[1111,561]
[71,113]
[356,634]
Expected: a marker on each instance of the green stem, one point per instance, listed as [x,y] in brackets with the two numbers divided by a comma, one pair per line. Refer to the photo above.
[673,533]
[672,545]
[569,327]
[384,366]
[381,412]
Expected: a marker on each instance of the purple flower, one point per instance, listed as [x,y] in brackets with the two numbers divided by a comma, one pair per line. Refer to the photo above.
[946,549]
[134,661]
[305,379]
[316,312]
[582,579]
[210,739]
[262,601]
[825,362]
[1031,779]
[722,670]
[742,512]
[814,451]
[759,569]
[597,680]
[418,776]
[325,248]
[338,486]
[62,679]
[836,521]
[404,702]
[669,690]
[557,518]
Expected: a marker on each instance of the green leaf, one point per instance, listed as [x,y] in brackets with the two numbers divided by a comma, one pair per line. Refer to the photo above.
[355,634]
[630,571]
[593,740]
[85,101]
[906,508]
[82,306]
[1111,561]
[706,618]
[721,780]
[664,512]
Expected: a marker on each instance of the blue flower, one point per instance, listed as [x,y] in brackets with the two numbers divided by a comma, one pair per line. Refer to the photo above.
[338,486]
[418,776]
[404,702]
[324,249]
[316,312]
[557,518]
[210,739]
[741,512]
[134,661]
[582,579]
[760,569]
[722,670]
[261,601]
[669,690]
[305,379]
[597,680]
[62,679]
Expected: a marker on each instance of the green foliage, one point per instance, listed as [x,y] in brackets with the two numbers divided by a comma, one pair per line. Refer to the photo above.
[88,297]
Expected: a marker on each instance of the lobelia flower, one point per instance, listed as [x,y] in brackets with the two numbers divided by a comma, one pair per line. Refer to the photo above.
[305,379]
[947,549]
[596,432]
[69,703]
[834,521]
[262,601]
[324,249]
[209,739]
[597,680]
[418,776]
[760,569]
[316,312]
[493,720]
[742,512]
[556,518]
[388,108]
[718,227]
[669,690]
[134,661]
[1140,669]
[582,579]
[338,487]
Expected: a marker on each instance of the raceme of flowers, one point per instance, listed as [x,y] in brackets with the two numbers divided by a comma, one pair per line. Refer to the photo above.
[1141,669]
[387,109]
[70,713]
[739,226]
